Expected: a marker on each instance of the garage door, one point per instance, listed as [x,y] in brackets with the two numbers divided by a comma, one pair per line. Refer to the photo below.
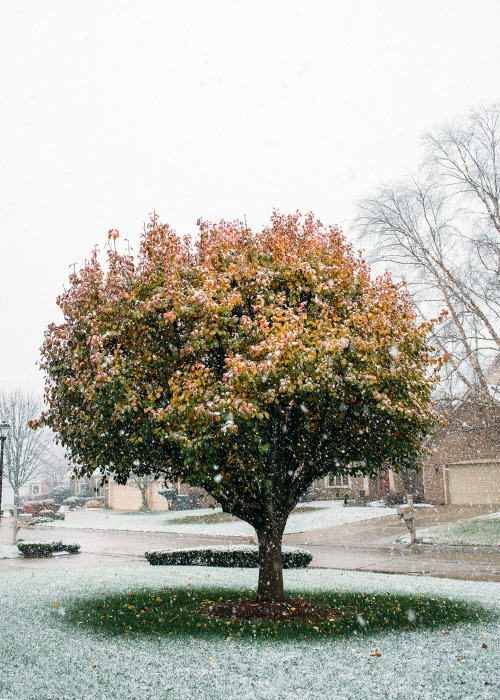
[475,484]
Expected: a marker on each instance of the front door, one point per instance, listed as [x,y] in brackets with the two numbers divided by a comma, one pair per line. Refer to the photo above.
[384,482]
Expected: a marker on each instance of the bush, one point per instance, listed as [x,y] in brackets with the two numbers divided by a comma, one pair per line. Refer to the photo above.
[84,491]
[47,514]
[75,502]
[39,520]
[394,498]
[45,549]
[94,504]
[35,507]
[238,556]
[59,494]
[42,519]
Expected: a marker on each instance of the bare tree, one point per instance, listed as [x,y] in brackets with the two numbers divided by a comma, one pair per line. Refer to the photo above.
[440,233]
[56,467]
[142,482]
[26,451]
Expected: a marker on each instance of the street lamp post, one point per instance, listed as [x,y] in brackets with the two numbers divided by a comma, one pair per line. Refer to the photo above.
[4,431]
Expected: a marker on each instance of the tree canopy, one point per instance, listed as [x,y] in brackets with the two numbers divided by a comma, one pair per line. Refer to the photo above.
[249,364]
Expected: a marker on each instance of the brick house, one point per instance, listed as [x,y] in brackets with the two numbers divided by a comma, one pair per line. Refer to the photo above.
[37,489]
[337,486]
[464,464]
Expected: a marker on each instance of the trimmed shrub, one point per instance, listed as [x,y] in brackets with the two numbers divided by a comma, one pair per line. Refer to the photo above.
[94,504]
[70,548]
[34,507]
[59,494]
[40,521]
[238,556]
[47,514]
[45,549]
[75,502]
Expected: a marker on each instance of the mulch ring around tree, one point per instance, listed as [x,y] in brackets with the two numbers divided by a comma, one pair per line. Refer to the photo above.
[289,609]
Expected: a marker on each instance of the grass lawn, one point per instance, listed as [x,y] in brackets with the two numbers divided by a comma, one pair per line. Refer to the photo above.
[219,517]
[472,531]
[313,516]
[123,633]
[204,519]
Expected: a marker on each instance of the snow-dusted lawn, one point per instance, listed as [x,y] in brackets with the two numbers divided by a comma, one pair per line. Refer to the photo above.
[481,530]
[329,513]
[8,551]
[39,658]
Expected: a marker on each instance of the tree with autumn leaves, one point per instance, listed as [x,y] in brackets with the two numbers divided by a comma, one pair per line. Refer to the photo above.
[250,364]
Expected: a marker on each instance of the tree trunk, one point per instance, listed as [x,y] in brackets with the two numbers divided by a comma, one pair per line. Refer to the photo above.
[145,504]
[270,586]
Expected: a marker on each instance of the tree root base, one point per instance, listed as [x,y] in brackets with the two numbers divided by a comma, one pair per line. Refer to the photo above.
[287,609]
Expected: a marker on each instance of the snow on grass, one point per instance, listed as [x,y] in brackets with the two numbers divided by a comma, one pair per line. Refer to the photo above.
[9,551]
[328,514]
[42,658]
[481,530]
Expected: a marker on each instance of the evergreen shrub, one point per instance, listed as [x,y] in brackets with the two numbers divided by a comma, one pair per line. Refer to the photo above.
[60,493]
[238,556]
[45,549]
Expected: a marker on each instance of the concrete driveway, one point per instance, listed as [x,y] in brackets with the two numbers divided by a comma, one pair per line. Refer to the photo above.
[362,546]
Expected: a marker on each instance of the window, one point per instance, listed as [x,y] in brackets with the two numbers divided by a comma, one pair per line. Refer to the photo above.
[338,480]
[99,491]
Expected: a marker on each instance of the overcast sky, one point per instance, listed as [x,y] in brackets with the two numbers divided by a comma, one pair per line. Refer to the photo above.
[209,109]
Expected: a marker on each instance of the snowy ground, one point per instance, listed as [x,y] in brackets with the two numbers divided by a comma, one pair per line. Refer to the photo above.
[8,551]
[481,530]
[329,513]
[41,659]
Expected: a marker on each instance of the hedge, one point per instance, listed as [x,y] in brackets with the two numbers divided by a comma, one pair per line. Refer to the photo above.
[45,549]
[238,556]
